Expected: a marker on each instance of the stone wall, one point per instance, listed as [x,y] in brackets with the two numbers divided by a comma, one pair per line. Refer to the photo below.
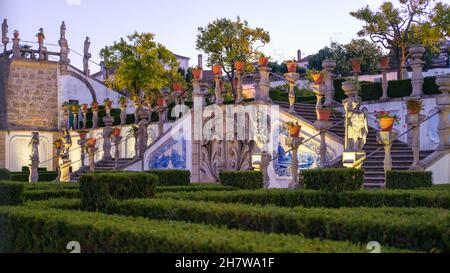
[31,95]
[4,67]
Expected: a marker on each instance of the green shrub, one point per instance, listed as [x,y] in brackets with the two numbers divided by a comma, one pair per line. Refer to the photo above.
[11,194]
[335,180]
[194,188]
[4,174]
[24,176]
[96,189]
[51,186]
[242,179]
[408,179]
[37,230]
[172,177]
[34,195]
[310,198]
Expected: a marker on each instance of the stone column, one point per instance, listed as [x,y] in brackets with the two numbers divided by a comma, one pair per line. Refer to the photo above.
[65,122]
[108,120]
[264,85]
[318,91]
[84,118]
[65,162]
[322,127]
[386,139]
[82,143]
[293,143]
[91,152]
[384,83]
[328,66]
[34,158]
[240,88]
[416,52]
[413,121]
[58,154]
[94,118]
[123,115]
[443,102]
[142,133]
[75,120]
[137,107]
[116,140]
[218,89]
[292,78]
[64,48]
[265,162]
[16,45]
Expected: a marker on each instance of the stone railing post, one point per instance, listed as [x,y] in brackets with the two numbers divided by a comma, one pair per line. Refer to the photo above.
[94,118]
[443,102]
[108,120]
[34,158]
[82,143]
[91,152]
[218,89]
[386,139]
[16,45]
[416,52]
[65,162]
[292,78]
[123,114]
[265,162]
[413,121]
[84,112]
[264,85]
[328,66]
[117,140]
[294,143]
[322,127]
[64,48]
[240,89]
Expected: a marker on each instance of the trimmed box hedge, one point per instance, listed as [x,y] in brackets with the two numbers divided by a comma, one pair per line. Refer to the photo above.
[310,198]
[408,179]
[242,179]
[96,189]
[11,193]
[172,177]
[34,195]
[335,180]
[24,176]
[21,230]
[4,174]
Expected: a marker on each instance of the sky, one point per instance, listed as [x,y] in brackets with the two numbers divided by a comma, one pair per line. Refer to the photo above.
[293,24]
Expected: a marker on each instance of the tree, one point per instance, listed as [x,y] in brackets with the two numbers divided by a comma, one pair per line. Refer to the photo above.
[393,28]
[368,52]
[335,51]
[141,65]
[226,41]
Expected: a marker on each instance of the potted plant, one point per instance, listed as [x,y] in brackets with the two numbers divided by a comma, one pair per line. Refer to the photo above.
[217,69]
[263,61]
[356,65]
[94,106]
[197,72]
[66,106]
[293,128]
[414,106]
[75,108]
[386,120]
[108,103]
[384,62]
[91,142]
[160,102]
[291,66]
[84,107]
[123,102]
[116,131]
[316,76]
[177,86]
[58,144]
[323,114]
[239,66]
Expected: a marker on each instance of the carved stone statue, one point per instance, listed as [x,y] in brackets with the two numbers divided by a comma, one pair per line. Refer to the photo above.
[34,158]
[357,131]
[67,143]
[63,30]
[87,55]
[5,38]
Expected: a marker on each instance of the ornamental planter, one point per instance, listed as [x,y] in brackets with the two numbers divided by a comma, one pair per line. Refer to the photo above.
[108,104]
[116,132]
[386,124]
[84,107]
[91,142]
[197,73]
[384,62]
[317,78]
[160,102]
[94,106]
[177,87]
[239,66]
[291,67]
[356,65]
[416,51]
[294,130]
[263,61]
[323,114]
[414,108]
[217,69]
[83,135]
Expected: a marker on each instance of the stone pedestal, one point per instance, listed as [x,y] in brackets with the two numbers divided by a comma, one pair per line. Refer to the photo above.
[386,139]
[16,48]
[84,119]
[117,141]
[416,52]
[82,143]
[443,102]
[65,170]
[265,162]
[107,137]
[292,78]
[34,158]
[384,83]
[94,119]
[239,87]
[413,121]
[65,163]
[322,127]
[262,94]
[218,89]
[293,143]
[123,115]
[91,152]
[328,66]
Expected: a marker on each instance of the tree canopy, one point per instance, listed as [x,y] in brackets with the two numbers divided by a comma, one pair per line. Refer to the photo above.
[141,65]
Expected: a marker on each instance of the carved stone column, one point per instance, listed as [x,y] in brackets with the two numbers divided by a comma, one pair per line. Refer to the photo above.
[108,120]
[34,158]
[328,66]
[94,118]
[265,162]
[292,78]
[84,111]
[264,85]
[322,127]
[416,52]
[218,89]
[386,139]
[443,102]
[294,143]
[75,120]
[413,121]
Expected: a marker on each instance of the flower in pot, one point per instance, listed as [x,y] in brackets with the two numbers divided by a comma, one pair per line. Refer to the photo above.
[160,102]
[414,106]
[84,107]
[94,106]
[386,120]
[263,61]
[323,114]
[217,69]
[197,72]
[108,103]
[91,142]
[239,66]
[316,76]
[66,106]
[123,102]
[291,66]
[176,86]
[116,131]
[83,134]
[75,108]
[356,65]
[384,62]
[293,128]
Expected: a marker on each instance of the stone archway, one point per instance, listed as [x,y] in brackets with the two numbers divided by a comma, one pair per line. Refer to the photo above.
[86,82]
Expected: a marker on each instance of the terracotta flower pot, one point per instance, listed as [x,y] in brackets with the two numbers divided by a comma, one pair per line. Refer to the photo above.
[197,73]
[386,124]
[263,61]
[384,62]
[294,130]
[160,102]
[239,66]
[317,78]
[323,114]
[177,87]
[108,104]
[91,142]
[116,132]
[83,135]
[84,107]
[217,69]
[291,67]
[94,106]
[356,65]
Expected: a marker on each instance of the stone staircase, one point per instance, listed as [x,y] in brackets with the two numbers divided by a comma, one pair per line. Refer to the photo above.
[402,157]
[102,166]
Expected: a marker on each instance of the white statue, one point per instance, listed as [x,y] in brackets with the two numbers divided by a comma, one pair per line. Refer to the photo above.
[63,31]
[357,131]
[5,38]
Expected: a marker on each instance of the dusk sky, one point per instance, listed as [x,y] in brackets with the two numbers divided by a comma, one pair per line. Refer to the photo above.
[293,24]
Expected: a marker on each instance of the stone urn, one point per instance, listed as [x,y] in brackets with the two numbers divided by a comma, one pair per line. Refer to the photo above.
[416,51]
[328,64]
[443,81]
[16,34]
[350,87]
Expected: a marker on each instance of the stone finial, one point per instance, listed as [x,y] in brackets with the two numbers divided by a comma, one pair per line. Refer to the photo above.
[62,32]
[5,38]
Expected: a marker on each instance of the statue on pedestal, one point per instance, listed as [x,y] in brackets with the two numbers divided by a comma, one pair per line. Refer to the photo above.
[5,38]
[34,158]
